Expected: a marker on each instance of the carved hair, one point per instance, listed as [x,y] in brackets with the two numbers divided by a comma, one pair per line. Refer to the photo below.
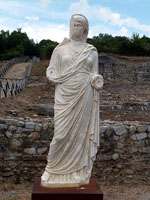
[83,20]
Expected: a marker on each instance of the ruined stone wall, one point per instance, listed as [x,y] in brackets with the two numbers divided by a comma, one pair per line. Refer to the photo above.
[123,157]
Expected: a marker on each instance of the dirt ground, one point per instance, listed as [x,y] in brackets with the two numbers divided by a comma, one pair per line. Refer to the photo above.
[17,71]
[39,90]
[111,192]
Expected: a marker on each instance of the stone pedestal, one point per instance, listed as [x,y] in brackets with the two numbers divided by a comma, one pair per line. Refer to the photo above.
[85,192]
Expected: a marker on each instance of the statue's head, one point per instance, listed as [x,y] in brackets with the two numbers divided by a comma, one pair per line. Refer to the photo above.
[79,27]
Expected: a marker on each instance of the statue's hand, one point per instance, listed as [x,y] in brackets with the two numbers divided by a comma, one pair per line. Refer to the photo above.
[97,81]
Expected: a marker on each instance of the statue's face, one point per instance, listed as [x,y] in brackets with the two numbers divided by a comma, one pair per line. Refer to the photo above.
[77,30]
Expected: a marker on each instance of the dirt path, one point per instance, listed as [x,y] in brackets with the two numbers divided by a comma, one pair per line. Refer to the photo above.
[17,71]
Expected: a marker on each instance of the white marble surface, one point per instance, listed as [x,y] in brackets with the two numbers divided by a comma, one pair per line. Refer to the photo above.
[74,70]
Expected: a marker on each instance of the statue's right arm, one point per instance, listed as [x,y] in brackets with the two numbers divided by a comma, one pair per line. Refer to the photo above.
[52,71]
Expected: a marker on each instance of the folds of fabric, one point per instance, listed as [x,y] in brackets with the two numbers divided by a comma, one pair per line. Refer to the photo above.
[76,134]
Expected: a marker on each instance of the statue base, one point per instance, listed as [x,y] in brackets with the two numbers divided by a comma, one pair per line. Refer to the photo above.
[84,192]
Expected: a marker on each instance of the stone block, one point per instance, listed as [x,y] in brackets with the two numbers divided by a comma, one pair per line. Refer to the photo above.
[11,122]
[42,150]
[120,130]
[109,131]
[141,136]
[30,125]
[34,136]
[141,128]
[133,137]
[140,143]
[16,143]
[148,128]
[38,127]
[20,123]
[45,126]
[129,171]
[8,134]
[3,126]
[27,130]
[2,120]
[115,156]
[45,109]
[146,149]
[12,128]
[31,151]
[19,130]
[132,150]
[102,129]
[132,129]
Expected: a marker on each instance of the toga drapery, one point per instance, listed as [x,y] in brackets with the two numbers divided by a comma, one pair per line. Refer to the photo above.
[76,120]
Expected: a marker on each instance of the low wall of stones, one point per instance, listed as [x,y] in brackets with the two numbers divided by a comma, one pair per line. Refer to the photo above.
[123,157]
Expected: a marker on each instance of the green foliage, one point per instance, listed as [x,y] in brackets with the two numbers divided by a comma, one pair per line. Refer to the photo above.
[46,48]
[134,46]
[18,44]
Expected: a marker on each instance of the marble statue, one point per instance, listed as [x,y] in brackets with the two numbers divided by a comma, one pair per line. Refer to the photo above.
[73,69]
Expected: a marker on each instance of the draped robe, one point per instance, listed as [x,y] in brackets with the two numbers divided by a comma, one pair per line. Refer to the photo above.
[76,116]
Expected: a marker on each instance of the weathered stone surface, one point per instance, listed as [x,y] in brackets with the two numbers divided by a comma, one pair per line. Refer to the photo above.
[129,171]
[12,128]
[3,126]
[31,151]
[140,143]
[133,137]
[120,130]
[141,128]
[119,166]
[45,126]
[115,156]
[116,138]
[2,120]
[38,127]
[30,125]
[141,136]
[20,123]
[11,122]
[8,134]
[132,150]
[34,135]
[109,131]
[42,150]
[45,109]
[102,129]
[19,130]
[146,149]
[16,135]
[132,129]
[16,143]
[27,130]
[148,128]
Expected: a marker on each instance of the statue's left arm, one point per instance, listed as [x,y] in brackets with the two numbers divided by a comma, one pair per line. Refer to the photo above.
[94,68]
[96,79]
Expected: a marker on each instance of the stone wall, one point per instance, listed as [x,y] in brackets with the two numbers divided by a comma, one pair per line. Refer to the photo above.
[110,64]
[124,155]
